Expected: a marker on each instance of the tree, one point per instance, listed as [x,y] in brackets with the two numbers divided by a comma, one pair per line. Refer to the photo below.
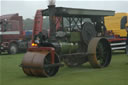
[28,24]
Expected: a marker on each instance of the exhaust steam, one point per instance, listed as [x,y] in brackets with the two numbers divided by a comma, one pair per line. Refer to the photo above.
[51,2]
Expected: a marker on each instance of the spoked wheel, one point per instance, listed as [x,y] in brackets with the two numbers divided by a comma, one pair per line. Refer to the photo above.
[51,71]
[99,52]
[13,49]
[34,63]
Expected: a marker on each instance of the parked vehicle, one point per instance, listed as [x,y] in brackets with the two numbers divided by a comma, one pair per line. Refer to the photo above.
[12,36]
[115,30]
[75,39]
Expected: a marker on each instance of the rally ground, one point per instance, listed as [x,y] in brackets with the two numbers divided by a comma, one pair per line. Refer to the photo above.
[115,74]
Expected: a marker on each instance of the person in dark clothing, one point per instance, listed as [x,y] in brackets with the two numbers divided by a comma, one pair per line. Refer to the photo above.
[126,27]
[40,38]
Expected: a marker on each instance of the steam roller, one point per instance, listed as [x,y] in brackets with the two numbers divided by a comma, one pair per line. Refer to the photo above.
[74,37]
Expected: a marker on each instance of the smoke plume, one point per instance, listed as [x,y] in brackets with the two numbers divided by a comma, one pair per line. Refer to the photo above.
[52,2]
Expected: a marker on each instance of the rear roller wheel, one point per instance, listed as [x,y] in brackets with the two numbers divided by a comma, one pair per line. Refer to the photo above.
[33,64]
[99,52]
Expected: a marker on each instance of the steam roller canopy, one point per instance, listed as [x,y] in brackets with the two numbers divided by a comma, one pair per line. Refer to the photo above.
[33,64]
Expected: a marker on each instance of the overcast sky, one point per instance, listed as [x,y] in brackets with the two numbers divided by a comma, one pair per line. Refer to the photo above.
[27,8]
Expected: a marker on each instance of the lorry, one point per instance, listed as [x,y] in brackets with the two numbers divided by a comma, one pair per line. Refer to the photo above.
[12,35]
[116,30]
[74,41]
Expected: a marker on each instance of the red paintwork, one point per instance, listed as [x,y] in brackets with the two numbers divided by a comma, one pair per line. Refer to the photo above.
[38,21]
[16,21]
[116,39]
[17,25]
[58,23]
[9,37]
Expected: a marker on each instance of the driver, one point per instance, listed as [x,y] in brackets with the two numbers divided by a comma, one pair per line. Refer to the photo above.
[37,40]
[40,38]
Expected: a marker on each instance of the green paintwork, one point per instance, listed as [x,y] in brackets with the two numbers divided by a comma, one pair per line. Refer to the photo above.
[75,37]
[68,47]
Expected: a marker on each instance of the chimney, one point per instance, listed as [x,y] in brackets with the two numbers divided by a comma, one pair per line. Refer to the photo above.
[52,20]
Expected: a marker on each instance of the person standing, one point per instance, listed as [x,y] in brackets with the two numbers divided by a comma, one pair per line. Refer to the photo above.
[126,27]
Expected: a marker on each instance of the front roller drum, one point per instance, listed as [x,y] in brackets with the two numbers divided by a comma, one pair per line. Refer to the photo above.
[34,64]
[99,51]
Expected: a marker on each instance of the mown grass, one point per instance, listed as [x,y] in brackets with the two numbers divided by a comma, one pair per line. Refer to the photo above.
[115,74]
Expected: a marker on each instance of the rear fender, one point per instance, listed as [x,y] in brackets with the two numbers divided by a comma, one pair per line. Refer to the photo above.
[42,50]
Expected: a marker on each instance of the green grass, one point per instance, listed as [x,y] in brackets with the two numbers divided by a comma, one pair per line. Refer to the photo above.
[115,74]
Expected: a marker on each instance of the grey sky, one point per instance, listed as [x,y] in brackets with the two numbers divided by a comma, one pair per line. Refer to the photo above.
[28,8]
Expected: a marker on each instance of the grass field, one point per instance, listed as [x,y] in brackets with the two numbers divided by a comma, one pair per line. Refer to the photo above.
[115,74]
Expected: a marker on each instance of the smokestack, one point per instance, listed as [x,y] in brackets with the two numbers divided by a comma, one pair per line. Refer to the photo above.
[52,19]
[52,2]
